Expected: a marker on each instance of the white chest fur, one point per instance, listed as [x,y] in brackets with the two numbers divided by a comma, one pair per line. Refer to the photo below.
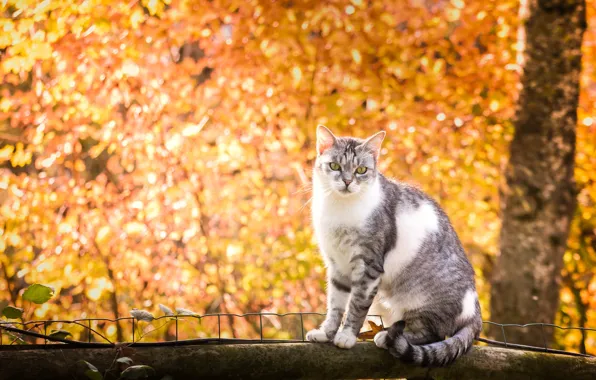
[334,217]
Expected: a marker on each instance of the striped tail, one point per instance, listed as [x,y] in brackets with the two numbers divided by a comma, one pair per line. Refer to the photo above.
[434,354]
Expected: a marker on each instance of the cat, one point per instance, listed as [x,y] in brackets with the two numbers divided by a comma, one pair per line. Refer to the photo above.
[390,250]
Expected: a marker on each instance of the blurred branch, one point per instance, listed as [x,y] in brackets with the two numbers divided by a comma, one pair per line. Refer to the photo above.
[309,105]
[113,293]
[581,308]
[13,297]
[11,138]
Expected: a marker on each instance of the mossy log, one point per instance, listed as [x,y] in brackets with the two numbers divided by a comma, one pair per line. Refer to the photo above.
[291,361]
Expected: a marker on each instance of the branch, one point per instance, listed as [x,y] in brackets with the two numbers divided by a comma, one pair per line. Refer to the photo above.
[297,360]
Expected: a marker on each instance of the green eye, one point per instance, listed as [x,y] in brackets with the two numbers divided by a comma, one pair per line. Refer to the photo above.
[361,169]
[334,166]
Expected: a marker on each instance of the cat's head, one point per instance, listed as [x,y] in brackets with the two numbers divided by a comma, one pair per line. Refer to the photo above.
[346,166]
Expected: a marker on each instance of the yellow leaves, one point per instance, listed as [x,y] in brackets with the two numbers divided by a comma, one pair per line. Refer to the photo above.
[42,310]
[388,19]
[103,235]
[210,269]
[459,4]
[41,51]
[438,66]
[79,166]
[137,18]
[11,238]
[64,228]
[152,210]
[8,33]
[195,129]
[268,48]
[296,76]
[155,7]
[98,286]
[135,228]
[17,64]
[6,152]
[130,69]
[212,290]
[356,56]
[102,26]
[452,14]
[234,249]
[18,157]
[81,24]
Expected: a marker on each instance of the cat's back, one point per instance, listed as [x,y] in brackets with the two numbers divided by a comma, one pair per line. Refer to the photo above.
[425,235]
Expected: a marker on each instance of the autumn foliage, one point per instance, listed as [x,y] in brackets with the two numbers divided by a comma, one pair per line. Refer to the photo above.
[159,152]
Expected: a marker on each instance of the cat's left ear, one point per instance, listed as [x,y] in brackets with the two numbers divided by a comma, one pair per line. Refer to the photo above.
[325,139]
[374,143]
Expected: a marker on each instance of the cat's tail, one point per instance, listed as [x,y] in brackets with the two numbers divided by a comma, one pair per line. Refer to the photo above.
[434,354]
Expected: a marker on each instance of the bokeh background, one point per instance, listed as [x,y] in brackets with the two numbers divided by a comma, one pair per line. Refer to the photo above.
[160,151]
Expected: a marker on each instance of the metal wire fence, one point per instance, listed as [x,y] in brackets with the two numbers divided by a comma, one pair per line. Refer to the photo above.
[216,329]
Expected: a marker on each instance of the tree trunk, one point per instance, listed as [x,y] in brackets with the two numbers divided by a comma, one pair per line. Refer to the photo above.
[539,199]
[288,361]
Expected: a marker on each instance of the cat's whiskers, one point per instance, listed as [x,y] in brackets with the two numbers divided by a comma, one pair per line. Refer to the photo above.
[305,204]
[326,191]
[305,189]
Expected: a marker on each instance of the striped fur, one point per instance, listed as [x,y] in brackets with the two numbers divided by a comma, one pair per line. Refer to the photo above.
[390,250]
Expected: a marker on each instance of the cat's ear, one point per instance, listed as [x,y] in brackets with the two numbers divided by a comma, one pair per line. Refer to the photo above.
[325,139]
[374,143]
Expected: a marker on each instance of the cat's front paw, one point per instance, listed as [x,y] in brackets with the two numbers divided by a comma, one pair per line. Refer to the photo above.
[345,339]
[381,339]
[317,335]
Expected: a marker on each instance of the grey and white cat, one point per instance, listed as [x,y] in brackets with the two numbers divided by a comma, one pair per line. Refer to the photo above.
[390,250]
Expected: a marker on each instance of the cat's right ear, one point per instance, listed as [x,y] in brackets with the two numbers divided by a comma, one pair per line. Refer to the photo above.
[325,139]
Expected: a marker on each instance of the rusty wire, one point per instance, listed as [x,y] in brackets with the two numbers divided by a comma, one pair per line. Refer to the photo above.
[51,341]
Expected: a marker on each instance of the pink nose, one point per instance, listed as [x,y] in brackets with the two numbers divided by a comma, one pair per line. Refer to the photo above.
[347,182]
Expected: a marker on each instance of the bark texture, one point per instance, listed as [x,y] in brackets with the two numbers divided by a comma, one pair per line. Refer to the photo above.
[291,361]
[539,197]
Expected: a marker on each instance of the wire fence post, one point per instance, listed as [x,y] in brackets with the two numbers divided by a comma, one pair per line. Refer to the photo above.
[504,336]
[302,325]
[261,323]
[544,337]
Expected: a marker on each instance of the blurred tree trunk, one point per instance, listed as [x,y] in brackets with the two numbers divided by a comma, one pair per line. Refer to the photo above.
[539,199]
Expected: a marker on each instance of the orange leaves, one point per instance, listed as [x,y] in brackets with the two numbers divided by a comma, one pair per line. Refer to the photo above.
[370,334]
[178,136]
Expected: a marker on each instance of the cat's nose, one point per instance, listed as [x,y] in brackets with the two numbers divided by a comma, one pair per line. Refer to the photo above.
[347,182]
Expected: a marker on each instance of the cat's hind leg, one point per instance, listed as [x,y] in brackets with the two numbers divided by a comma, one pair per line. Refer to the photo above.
[420,336]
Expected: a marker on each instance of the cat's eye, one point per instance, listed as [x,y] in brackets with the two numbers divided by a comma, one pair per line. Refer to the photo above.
[334,166]
[361,169]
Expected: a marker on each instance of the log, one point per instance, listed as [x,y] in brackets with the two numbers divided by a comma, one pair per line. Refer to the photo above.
[292,361]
